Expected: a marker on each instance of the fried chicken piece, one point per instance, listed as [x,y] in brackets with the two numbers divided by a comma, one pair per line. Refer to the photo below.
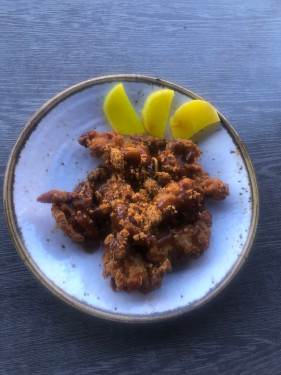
[83,223]
[115,188]
[154,145]
[127,268]
[133,272]
[108,195]
[133,163]
[99,175]
[176,154]
[137,218]
[81,196]
[85,195]
[127,274]
[183,242]
[212,187]
[101,144]
[215,188]
[57,196]
[70,211]
[119,219]
[195,172]
[137,156]
[75,224]
[182,196]
[117,245]
[129,156]
[157,272]
[63,216]
[185,148]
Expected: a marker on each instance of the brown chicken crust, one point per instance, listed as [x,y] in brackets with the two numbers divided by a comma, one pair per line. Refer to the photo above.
[183,242]
[145,202]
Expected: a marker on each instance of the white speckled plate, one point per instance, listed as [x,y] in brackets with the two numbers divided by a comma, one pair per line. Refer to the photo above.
[47,156]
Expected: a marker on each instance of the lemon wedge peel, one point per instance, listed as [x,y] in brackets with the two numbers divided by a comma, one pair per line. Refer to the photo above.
[120,113]
[156,110]
[191,117]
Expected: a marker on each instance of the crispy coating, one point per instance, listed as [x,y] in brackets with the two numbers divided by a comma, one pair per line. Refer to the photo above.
[138,219]
[57,196]
[64,218]
[183,242]
[182,196]
[101,144]
[151,186]
[112,148]
[145,203]
[115,189]
[215,188]
[100,174]
[75,224]
[154,145]
[176,155]
[133,272]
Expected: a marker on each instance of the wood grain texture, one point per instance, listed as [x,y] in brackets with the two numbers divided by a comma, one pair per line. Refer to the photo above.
[226,51]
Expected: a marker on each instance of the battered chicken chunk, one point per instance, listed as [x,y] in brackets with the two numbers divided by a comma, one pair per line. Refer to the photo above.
[145,203]
[176,155]
[183,196]
[213,187]
[101,144]
[71,212]
[183,242]
[154,145]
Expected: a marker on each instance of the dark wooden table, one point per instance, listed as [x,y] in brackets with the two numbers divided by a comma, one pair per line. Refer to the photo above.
[230,53]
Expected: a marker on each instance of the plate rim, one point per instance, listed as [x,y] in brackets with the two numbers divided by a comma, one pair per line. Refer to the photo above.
[11,220]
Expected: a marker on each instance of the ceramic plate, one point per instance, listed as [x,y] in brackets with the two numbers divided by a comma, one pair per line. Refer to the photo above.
[47,156]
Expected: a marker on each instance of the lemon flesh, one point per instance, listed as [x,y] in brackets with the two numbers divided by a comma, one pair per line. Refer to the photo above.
[192,117]
[155,112]
[120,112]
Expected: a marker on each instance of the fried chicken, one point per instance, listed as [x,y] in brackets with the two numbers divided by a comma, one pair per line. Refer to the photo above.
[213,187]
[182,196]
[71,211]
[145,203]
[107,145]
[101,144]
[176,155]
[183,242]
[57,196]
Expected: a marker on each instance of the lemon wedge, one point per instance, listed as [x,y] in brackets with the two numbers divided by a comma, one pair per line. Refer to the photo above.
[120,112]
[192,117]
[156,110]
